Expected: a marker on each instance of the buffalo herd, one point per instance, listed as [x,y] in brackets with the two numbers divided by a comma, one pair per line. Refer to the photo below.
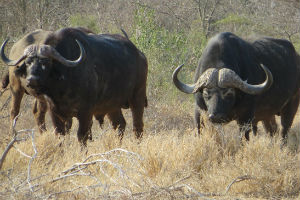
[73,72]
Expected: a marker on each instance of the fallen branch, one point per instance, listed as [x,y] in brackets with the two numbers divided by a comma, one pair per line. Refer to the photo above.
[62,192]
[5,103]
[10,145]
[238,179]
[30,161]
[3,90]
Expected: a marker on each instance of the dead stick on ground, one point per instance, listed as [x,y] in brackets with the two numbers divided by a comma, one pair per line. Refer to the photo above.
[238,179]
[10,145]
[30,162]
[6,103]
[2,91]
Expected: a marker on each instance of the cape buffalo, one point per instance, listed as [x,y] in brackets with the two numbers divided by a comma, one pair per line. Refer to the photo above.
[247,82]
[18,87]
[81,75]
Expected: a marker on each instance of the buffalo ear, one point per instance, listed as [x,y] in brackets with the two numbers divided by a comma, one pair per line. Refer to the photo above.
[21,70]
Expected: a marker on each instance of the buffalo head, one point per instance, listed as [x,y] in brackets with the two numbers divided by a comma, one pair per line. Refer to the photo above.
[217,88]
[38,59]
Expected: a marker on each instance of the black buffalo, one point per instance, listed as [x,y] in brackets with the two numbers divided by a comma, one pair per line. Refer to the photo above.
[18,87]
[81,75]
[247,82]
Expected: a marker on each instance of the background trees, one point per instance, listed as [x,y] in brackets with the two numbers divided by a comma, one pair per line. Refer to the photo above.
[169,32]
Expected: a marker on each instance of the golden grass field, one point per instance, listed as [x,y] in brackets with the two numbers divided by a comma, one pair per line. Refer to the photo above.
[170,162]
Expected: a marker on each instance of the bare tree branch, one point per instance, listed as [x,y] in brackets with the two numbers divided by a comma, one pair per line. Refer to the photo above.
[238,179]
[11,143]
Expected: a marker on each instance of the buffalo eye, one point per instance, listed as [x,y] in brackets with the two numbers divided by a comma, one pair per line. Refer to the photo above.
[228,92]
[28,61]
[206,94]
[44,62]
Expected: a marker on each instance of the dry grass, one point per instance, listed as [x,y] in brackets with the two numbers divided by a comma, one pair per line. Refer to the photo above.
[170,162]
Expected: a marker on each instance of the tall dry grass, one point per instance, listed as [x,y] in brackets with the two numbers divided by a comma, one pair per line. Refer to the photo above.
[170,162]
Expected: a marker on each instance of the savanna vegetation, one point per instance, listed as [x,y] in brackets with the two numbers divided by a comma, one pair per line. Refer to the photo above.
[170,161]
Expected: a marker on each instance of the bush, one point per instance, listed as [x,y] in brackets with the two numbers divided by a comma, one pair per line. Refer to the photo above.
[89,22]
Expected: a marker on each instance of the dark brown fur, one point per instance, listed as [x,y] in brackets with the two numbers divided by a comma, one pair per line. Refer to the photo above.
[18,88]
[227,50]
[112,76]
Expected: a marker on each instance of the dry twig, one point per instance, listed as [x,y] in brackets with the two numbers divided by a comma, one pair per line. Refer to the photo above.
[238,179]
[11,143]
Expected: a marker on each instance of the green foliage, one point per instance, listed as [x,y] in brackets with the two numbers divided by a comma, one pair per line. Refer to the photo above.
[89,22]
[197,39]
[165,50]
[233,19]
[296,43]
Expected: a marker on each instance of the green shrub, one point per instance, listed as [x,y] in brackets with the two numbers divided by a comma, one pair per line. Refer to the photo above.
[165,50]
[89,22]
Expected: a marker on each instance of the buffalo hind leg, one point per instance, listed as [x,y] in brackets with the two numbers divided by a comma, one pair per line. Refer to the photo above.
[118,121]
[39,111]
[137,105]
[287,115]
[270,125]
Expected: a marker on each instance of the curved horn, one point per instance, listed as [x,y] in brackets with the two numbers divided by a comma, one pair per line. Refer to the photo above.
[70,63]
[228,78]
[7,60]
[186,88]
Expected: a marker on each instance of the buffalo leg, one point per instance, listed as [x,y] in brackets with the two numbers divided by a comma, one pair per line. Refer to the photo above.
[197,120]
[270,125]
[246,133]
[137,105]
[39,111]
[100,119]
[58,123]
[254,128]
[84,130]
[287,115]
[118,121]
[245,126]
[68,125]
[15,104]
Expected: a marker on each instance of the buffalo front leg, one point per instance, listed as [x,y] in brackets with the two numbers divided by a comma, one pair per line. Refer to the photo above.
[84,130]
[270,125]
[58,123]
[100,119]
[198,120]
[68,124]
[118,121]
[39,111]
[245,127]
[15,105]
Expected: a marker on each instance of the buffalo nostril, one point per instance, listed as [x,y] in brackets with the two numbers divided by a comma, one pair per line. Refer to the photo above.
[211,116]
[32,81]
